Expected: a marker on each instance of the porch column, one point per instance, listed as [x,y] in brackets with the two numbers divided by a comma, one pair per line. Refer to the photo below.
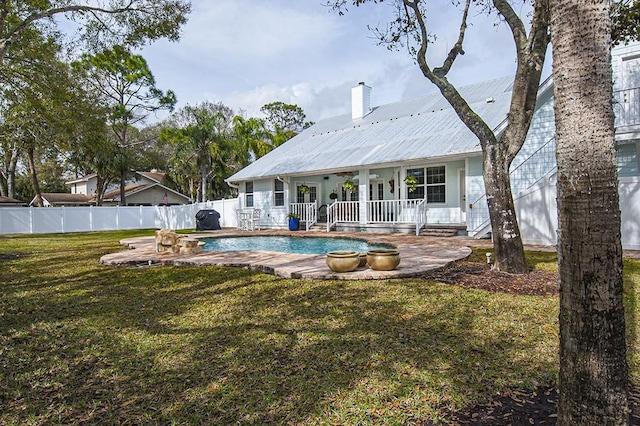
[363,194]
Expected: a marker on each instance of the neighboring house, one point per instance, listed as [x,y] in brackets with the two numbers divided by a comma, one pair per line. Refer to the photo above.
[415,165]
[60,199]
[10,202]
[146,189]
[86,185]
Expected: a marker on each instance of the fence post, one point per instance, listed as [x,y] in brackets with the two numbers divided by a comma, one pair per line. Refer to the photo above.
[117,217]
[91,218]
[31,219]
[62,218]
[141,221]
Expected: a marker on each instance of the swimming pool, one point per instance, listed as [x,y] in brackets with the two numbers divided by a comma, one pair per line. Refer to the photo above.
[288,244]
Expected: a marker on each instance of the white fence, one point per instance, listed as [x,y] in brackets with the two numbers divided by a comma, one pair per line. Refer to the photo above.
[48,220]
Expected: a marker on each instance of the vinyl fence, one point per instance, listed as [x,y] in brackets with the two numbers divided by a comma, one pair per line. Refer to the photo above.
[49,220]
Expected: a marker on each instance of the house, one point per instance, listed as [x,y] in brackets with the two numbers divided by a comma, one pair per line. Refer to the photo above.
[62,199]
[413,165]
[10,202]
[146,188]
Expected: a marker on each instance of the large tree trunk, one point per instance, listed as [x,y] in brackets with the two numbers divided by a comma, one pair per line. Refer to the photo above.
[497,154]
[34,176]
[9,172]
[593,369]
[123,192]
[507,243]
[100,187]
[203,177]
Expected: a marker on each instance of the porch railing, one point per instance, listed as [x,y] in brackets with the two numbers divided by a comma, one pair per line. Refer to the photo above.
[626,104]
[528,173]
[379,212]
[308,213]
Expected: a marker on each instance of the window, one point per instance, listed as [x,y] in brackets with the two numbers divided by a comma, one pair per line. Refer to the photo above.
[430,184]
[436,188]
[278,193]
[627,160]
[248,194]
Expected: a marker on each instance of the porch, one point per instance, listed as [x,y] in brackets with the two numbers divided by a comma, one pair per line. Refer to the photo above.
[382,216]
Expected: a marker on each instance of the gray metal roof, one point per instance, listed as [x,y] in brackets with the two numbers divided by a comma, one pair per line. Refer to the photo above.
[415,129]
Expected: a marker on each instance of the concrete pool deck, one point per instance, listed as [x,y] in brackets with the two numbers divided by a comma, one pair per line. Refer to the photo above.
[418,255]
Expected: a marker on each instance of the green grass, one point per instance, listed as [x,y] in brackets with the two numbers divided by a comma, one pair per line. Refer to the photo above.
[86,343]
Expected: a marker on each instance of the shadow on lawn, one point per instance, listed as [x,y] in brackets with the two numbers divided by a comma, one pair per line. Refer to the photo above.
[222,345]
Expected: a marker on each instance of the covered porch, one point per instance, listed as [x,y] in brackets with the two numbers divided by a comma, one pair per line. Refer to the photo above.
[403,199]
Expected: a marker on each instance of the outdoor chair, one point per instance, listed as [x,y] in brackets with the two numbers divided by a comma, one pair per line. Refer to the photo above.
[242,219]
[255,220]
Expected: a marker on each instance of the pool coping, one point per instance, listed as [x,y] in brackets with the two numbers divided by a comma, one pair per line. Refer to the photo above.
[418,255]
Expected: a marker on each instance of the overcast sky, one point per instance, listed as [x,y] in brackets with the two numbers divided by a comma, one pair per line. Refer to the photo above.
[246,53]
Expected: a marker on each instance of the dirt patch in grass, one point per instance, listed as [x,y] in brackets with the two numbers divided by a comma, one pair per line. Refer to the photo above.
[480,276]
[4,257]
[514,406]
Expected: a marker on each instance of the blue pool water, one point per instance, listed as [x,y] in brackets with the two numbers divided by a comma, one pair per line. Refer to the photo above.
[300,245]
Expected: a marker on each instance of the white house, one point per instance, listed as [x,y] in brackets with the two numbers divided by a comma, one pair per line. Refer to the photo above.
[415,165]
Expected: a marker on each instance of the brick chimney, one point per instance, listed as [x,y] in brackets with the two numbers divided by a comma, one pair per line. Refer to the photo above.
[360,101]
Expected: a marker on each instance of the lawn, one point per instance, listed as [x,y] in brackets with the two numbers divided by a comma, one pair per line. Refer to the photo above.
[85,343]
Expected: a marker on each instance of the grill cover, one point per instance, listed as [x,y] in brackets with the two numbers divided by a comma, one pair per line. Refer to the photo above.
[207,220]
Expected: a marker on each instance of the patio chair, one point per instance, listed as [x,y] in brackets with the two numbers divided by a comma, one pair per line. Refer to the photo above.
[255,220]
[242,219]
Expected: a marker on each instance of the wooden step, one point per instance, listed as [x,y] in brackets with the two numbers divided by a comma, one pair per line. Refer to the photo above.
[439,232]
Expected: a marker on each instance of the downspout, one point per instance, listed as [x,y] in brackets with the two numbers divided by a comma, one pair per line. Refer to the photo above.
[286,193]
[237,188]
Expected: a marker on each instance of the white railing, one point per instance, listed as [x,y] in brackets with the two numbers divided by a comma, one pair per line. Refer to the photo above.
[528,173]
[308,213]
[379,212]
[342,211]
[50,220]
[626,104]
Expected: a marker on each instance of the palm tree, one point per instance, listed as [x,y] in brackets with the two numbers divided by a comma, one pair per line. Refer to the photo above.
[593,369]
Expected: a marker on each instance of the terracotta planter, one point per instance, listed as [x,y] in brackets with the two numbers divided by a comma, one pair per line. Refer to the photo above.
[363,259]
[383,260]
[343,261]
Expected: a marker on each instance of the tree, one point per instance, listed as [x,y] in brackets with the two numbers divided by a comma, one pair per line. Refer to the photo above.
[254,137]
[284,120]
[201,135]
[127,86]
[410,29]
[593,370]
[130,22]
[625,15]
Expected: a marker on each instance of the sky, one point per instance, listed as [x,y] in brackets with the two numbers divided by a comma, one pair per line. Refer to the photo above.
[247,53]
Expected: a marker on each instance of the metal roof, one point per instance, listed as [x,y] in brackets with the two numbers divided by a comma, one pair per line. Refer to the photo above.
[411,130]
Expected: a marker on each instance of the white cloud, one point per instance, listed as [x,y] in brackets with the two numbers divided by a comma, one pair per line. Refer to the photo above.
[247,53]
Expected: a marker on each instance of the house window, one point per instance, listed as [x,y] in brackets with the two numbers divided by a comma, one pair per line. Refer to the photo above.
[436,188]
[248,194]
[431,184]
[278,193]
[627,159]
[418,191]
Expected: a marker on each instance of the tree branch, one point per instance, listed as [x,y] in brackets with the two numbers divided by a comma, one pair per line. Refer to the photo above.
[457,48]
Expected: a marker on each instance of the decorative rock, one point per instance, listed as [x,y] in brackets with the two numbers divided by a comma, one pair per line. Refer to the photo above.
[343,261]
[191,250]
[383,260]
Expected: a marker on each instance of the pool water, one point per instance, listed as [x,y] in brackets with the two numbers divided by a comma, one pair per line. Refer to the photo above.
[285,244]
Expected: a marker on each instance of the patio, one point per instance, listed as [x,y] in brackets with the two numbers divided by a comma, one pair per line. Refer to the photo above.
[418,254]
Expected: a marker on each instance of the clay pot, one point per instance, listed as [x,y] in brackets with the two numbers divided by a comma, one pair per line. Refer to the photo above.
[383,260]
[363,259]
[343,261]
